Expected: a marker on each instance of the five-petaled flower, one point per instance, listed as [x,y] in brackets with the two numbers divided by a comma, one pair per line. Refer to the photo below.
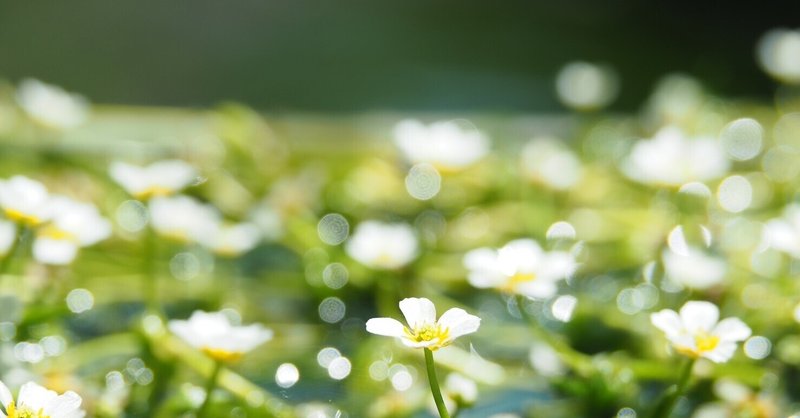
[35,401]
[423,330]
[215,335]
[695,332]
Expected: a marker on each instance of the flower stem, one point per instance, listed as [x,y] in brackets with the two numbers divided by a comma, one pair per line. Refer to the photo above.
[437,393]
[151,276]
[210,385]
[22,235]
[671,395]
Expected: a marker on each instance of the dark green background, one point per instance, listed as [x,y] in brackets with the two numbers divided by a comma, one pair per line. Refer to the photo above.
[365,55]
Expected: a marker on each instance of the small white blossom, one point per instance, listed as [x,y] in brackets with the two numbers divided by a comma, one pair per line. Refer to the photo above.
[51,105]
[382,245]
[162,178]
[695,331]
[783,234]
[35,401]
[73,226]
[424,330]
[547,161]
[520,267]
[214,334]
[671,159]
[8,233]
[695,269]
[461,389]
[585,86]
[232,240]
[183,218]
[445,145]
[25,201]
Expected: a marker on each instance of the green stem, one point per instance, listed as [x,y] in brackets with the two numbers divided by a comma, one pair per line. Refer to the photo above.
[437,393]
[151,278]
[210,385]
[671,395]
[21,233]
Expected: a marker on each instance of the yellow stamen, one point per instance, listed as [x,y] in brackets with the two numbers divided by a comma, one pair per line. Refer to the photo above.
[429,332]
[22,218]
[52,232]
[516,280]
[153,191]
[222,355]
[13,412]
[703,343]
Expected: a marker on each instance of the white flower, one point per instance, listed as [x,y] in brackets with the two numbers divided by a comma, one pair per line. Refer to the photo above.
[461,389]
[779,54]
[51,105]
[696,333]
[585,86]
[162,178]
[695,269]
[381,245]
[73,226]
[8,233]
[521,267]
[423,330]
[783,234]
[214,334]
[183,218]
[672,159]
[232,240]
[548,161]
[34,401]
[445,145]
[25,201]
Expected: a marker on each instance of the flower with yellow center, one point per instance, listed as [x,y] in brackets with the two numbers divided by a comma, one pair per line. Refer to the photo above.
[445,145]
[383,245]
[51,105]
[695,332]
[74,225]
[215,335]
[424,330]
[183,218]
[519,267]
[25,201]
[231,240]
[35,401]
[162,178]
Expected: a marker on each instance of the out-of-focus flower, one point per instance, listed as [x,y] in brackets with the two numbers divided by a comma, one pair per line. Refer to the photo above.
[783,234]
[548,161]
[695,332]
[8,233]
[520,267]
[445,145]
[585,86]
[671,159]
[423,330]
[461,389]
[695,269]
[51,105]
[25,201]
[231,240]
[74,225]
[35,401]
[779,54]
[162,178]
[215,335]
[183,218]
[381,245]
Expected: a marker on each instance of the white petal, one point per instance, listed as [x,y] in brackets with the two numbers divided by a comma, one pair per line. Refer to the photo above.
[722,352]
[54,251]
[699,316]
[385,326]
[5,395]
[668,321]
[537,289]
[459,322]
[34,396]
[732,329]
[418,311]
[64,404]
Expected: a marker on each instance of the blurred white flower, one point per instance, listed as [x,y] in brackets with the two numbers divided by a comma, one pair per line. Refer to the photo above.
[671,159]
[25,201]
[520,267]
[231,240]
[183,218]
[161,178]
[695,269]
[585,86]
[423,330]
[779,54]
[461,389]
[8,233]
[74,225]
[51,105]
[695,331]
[783,234]
[548,161]
[382,245]
[215,335]
[35,401]
[445,145]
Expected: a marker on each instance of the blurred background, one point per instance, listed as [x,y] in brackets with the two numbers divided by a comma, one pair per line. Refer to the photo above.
[344,56]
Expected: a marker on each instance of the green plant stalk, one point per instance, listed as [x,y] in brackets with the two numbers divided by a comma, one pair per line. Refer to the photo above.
[202,411]
[435,390]
[22,236]
[671,395]
[151,276]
